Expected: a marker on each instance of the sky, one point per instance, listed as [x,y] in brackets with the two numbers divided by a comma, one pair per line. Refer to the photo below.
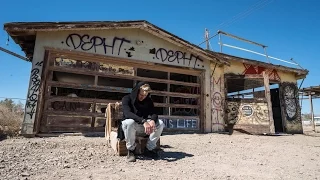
[289,29]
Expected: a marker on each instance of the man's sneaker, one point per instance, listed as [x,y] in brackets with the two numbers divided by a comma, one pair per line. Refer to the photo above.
[131,156]
[154,154]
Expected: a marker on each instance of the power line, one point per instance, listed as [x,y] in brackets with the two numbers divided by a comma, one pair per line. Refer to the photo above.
[208,39]
[266,2]
[248,11]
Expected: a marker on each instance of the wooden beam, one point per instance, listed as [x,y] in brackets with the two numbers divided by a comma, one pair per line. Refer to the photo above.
[73,113]
[312,115]
[129,77]
[269,103]
[118,89]
[78,99]
[177,105]
[84,56]
[89,87]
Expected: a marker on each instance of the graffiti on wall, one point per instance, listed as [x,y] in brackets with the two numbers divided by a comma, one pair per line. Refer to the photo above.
[95,66]
[70,106]
[252,69]
[290,99]
[116,69]
[247,110]
[177,57]
[217,101]
[77,64]
[32,98]
[233,112]
[188,101]
[261,114]
[247,113]
[86,42]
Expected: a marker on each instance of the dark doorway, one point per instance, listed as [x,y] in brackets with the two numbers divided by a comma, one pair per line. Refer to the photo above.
[276,109]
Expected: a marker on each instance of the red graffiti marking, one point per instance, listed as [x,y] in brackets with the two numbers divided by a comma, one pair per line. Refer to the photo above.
[252,69]
[217,83]
[217,100]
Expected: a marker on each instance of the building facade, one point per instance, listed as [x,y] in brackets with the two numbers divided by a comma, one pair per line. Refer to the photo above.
[80,67]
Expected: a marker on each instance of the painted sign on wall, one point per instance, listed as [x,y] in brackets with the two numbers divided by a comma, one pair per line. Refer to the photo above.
[253,69]
[191,124]
[247,110]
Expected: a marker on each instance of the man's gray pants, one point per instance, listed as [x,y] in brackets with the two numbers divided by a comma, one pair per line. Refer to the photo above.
[132,129]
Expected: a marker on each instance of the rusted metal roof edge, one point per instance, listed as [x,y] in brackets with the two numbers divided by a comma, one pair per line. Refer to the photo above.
[75,25]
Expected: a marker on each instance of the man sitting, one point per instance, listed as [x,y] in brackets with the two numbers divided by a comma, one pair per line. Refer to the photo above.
[140,119]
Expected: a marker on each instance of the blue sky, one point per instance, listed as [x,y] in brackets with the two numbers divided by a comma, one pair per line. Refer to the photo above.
[289,29]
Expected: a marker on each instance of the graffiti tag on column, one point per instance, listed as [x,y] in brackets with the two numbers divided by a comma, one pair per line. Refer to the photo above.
[216,99]
[177,57]
[86,42]
[35,84]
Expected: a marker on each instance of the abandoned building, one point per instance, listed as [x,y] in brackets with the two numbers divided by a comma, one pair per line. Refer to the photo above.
[80,67]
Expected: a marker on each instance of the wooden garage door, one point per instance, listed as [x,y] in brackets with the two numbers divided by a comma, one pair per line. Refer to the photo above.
[79,87]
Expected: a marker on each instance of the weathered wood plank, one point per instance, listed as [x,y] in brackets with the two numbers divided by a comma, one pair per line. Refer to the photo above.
[79,99]
[119,89]
[57,129]
[177,105]
[121,61]
[69,121]
[70,113]
[136,78]
[174,94]
[89,87]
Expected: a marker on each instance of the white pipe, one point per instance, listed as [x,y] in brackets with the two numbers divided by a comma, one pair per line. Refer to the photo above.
[257,53]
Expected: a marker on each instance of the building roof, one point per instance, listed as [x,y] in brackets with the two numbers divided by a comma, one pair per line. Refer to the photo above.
[24,33]
[226,57]
[312,90]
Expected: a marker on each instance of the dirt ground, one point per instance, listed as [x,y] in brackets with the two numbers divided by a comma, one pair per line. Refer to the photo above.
[184,156]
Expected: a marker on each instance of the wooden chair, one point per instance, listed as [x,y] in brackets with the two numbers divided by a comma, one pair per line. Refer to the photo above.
[113,116]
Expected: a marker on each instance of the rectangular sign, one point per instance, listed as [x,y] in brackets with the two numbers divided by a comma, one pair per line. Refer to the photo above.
[180,123]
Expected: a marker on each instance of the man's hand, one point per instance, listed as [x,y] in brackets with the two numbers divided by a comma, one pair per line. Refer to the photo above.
[147,128]
[153,125]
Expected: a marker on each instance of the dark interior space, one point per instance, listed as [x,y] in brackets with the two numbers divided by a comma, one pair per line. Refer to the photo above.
[276,109]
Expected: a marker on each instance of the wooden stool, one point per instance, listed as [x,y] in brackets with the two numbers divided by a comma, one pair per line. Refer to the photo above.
[113,117]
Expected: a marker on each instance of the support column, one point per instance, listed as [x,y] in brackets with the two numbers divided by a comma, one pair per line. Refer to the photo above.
[311,112]
[268,97]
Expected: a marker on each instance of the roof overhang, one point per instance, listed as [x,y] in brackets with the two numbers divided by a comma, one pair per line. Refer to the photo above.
[312,90]
[299,73]
[24,33]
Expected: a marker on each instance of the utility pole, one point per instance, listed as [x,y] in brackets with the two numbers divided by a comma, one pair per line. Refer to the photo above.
[206,36]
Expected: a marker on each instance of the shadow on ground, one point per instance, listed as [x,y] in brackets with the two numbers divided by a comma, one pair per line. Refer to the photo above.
[3,137]
[173,156]
[169,156]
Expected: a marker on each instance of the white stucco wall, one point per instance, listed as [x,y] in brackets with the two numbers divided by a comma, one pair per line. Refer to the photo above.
[132,44]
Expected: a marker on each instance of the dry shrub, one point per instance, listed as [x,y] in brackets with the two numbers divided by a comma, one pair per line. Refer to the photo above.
[10,122]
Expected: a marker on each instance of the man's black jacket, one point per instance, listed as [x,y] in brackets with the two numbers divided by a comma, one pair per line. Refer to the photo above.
[138,111]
